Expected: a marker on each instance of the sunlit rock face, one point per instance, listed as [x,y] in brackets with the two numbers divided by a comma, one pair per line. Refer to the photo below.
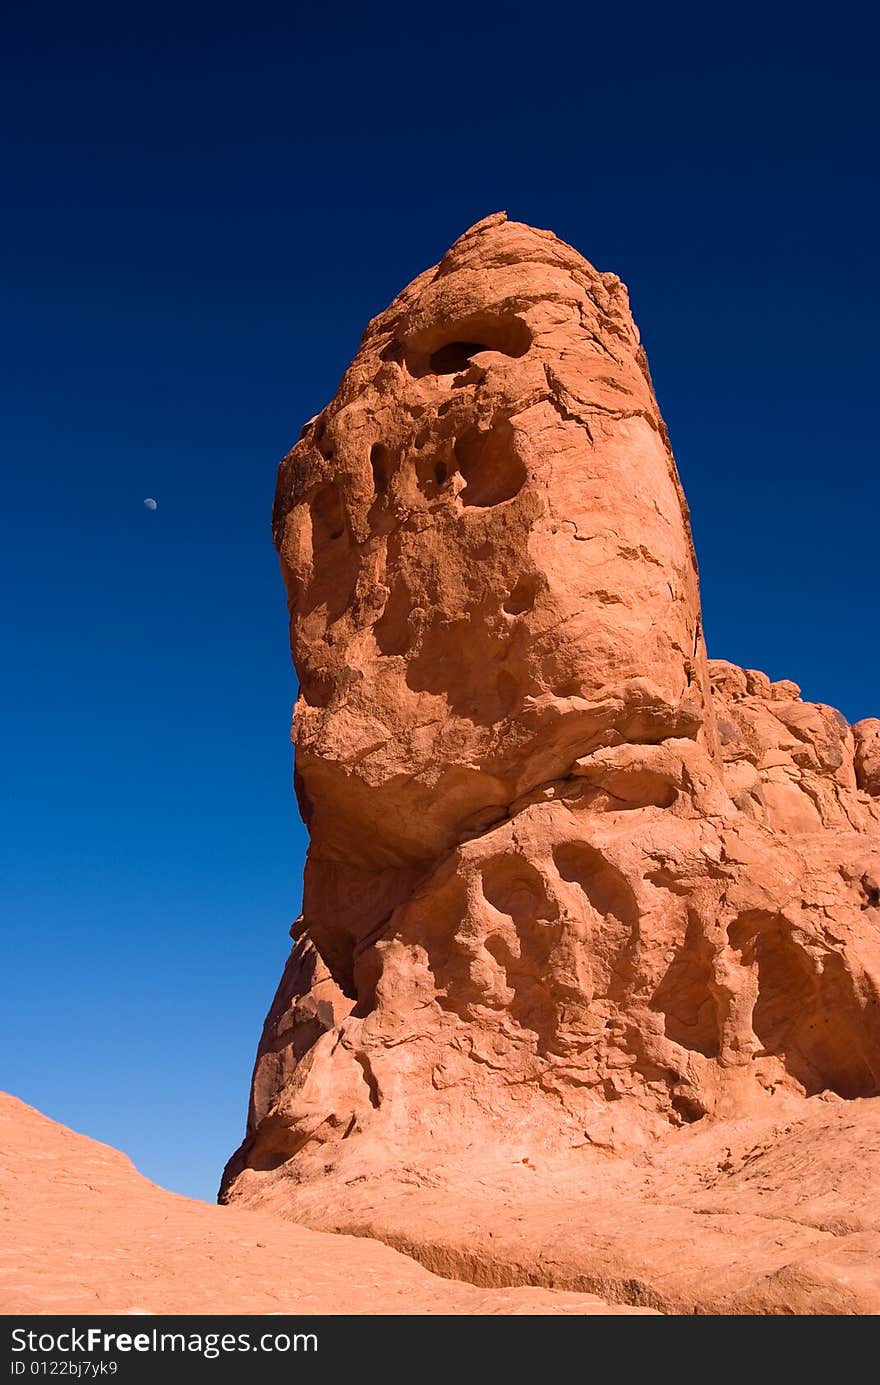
[567,882]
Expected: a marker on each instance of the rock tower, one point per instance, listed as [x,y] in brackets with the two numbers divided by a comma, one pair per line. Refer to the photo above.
[568,882]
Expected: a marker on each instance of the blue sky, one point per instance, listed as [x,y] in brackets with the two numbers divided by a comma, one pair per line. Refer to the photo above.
[204,206]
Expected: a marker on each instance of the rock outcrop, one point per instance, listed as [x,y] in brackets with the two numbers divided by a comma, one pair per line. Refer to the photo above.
[570,885]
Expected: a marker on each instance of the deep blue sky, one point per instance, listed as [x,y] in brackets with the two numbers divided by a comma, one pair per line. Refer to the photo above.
[203,208]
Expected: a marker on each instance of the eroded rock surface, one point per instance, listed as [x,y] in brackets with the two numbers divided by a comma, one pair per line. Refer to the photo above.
[568,883]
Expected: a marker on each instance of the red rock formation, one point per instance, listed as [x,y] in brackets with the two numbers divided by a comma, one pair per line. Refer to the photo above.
[567,883]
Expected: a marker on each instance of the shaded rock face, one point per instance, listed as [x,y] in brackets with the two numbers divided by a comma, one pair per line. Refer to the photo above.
[567,881]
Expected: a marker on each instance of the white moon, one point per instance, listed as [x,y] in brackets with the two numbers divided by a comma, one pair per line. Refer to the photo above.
[150,503]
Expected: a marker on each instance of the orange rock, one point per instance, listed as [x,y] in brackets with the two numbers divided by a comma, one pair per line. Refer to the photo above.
[548,902]
[773,1213]
[82,1232]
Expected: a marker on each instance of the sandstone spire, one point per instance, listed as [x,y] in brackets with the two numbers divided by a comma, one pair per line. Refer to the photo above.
[566,882]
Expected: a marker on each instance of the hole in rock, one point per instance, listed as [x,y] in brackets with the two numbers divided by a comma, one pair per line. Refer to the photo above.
[522,597]
[316,687]
[448,348]
[366,1068]
[275,1143]
[492,469]
[612,920]
[568,687]
[633,788]
[808,1011]
[870,892]
[605,886]
[513,886]
[337,952]
[264,1161]
[436,920]
[433,471]
[328,515]
[392,631]
[528,972]
[688,1109]
[454,357]
[685,999]
[367,973]
[380,461]
[334,562]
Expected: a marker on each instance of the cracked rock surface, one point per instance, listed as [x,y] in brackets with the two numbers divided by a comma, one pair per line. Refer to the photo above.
[576,899]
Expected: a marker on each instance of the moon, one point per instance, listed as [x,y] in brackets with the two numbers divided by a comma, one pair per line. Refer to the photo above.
[150,503]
